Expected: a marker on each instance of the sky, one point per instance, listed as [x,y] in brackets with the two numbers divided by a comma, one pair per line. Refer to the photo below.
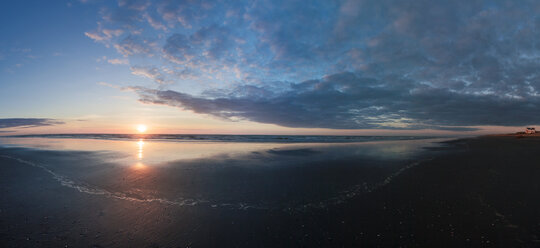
[270,67]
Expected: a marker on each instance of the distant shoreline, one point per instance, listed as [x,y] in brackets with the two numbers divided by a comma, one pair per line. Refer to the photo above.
[515,135]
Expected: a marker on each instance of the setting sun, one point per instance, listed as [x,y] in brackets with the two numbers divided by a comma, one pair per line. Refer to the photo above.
[141,128]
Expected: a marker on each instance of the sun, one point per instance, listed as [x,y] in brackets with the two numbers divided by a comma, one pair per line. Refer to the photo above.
[141,128]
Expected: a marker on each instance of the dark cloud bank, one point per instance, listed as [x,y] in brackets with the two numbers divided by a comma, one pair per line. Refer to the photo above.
[346,101]
[388,64]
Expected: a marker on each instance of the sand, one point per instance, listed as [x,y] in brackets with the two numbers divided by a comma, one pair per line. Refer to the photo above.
[473,192]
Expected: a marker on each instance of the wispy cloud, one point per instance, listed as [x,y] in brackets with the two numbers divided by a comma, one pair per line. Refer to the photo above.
[118,61]
[151,73]
[109,85]
[132,45]
[104,34]
[28,122]
[155,23]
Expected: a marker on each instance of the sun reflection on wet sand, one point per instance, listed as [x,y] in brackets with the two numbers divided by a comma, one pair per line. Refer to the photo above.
[140,143]
[139,165]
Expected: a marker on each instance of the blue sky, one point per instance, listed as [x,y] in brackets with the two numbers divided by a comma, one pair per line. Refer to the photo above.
[349,66]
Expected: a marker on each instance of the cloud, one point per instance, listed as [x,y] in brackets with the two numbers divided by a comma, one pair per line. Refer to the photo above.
[109,85]
[118,61]
[406,64]
[349,101]
[104,35]
[151,73]
[132,45]
[156,24]
[28,122]
[187,13]
[206,51]
[139,5]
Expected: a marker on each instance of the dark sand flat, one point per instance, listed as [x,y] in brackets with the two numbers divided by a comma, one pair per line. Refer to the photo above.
[476,192]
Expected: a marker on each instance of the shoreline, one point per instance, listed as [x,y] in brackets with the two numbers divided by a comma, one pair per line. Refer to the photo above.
[479,191]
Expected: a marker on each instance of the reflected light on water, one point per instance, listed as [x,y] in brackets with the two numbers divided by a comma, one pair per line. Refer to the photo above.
[160,153]
[140,143]
[139,165]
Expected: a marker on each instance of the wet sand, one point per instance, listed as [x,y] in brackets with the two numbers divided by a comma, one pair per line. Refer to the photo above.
[483,192]
[473,192]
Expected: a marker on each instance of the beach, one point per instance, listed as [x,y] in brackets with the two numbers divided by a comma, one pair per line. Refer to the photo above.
[349,123]
[459,193]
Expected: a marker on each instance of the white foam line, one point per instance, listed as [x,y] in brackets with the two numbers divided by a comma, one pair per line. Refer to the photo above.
[64,181]
[341,197]
[388,179]
[353,191]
